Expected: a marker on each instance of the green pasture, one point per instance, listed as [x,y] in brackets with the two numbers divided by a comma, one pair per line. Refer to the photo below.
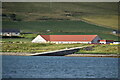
[102,18]
[16,40]
[35,47]
[102,49]
[43,47]
[60,27]
[110,21]
[59,18]
[102,13]
[45,7]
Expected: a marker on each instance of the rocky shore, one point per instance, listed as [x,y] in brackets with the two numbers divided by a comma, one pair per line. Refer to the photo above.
[93,55]
[70,55]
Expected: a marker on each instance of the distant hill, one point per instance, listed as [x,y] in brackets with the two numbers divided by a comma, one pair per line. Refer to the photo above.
[61,7]
[102,13]
[62,17]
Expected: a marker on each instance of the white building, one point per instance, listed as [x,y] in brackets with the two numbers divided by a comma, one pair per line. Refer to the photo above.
[65,39]
[10,32]
[105,41]
[117,42]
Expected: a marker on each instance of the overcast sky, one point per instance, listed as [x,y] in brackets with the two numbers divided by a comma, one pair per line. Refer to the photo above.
[60,0]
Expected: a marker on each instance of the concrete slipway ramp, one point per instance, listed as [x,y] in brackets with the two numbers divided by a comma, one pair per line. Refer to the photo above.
[63,52]
[58,52]
[70,52]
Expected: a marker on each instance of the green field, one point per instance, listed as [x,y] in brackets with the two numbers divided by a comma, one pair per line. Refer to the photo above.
[62,18]
[102,49]
[59,18]
[110,21]
[43,47]
[35,47]
[103,13]
[61,27]
[16,40]
[56,26]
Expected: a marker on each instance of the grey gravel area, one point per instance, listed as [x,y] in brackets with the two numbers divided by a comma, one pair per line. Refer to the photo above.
[17,54]
[93,55]
[70,55]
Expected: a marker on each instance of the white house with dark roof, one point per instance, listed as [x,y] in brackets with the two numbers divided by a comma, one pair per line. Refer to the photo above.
[10,32]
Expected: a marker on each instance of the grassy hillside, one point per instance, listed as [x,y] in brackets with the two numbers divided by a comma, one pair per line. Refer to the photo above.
[62,17]
[45,7]
[102,49]
[110,21]
[62,27]
[69,26]
[99,13]
[35,47]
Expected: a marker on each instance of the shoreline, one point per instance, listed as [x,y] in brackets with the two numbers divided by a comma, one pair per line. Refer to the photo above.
[69,55]
[94,55]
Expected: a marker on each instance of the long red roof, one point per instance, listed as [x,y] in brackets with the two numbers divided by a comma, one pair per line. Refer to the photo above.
[68,37]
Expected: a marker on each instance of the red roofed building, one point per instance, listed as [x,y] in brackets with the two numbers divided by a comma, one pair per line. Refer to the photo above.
[106,41]
[67,39]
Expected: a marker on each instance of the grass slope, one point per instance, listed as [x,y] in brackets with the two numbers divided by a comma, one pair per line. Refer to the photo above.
[103,49]
[41,47]
[72,26]
[62,27]
[110,21]
[30,14]
[45,7]
[103,13]
[35,47]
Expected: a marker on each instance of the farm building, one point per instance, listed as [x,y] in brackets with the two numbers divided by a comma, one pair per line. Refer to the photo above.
[116,32]
[10,32]
[105,41]
[64,39]
[116,42]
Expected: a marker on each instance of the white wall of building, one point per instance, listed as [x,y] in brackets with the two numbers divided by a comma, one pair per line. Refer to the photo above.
[102,42]
[9,34]
[116,42]
[15,34]
[39,39]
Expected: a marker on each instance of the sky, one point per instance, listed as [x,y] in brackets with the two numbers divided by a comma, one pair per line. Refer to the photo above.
[60,0]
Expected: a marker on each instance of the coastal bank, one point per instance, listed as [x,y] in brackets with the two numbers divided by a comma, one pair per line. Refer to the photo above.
[70,55]
[69,52]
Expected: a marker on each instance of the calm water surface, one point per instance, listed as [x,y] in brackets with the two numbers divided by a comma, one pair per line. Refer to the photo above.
[59,67]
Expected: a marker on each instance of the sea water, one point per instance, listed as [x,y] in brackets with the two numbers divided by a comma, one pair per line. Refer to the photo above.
[59,67]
